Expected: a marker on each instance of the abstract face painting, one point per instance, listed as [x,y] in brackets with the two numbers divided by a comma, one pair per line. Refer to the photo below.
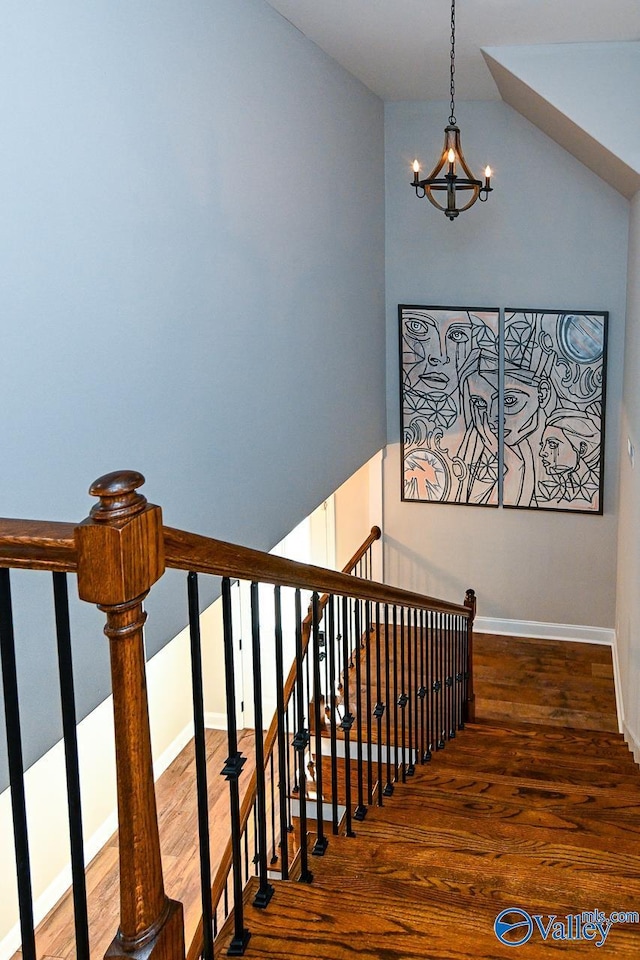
[449,368]
[516,420]
[553,453]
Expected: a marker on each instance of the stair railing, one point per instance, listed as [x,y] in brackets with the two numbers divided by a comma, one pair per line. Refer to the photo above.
[417,646]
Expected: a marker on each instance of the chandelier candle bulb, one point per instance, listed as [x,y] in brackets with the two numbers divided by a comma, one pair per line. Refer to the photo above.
[451,157]
[416,171]
[487,177]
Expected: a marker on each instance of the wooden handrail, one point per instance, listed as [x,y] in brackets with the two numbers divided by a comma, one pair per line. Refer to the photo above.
[38,545]
[190,551]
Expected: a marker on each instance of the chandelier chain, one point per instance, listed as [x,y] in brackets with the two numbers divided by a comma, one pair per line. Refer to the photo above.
[452,86]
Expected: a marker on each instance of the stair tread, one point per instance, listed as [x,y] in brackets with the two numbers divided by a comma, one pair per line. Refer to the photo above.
[556,737]
[540,769]
[418,872]
[309,921]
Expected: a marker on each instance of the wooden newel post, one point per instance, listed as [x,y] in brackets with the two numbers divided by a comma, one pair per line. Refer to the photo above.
[120,555]
[470,703]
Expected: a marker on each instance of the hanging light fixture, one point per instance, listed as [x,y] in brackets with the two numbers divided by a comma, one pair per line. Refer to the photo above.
[458,179]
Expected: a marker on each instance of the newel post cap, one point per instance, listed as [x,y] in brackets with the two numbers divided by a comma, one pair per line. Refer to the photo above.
[121,544]
[118,497]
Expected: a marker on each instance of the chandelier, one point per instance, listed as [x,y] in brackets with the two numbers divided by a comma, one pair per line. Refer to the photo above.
[458,179]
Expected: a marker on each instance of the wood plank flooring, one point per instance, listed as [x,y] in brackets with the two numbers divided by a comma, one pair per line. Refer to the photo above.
[179,843]
[535,806]
[461,841]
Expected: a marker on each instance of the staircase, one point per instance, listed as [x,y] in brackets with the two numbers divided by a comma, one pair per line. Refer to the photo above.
[528,815]
[493,804]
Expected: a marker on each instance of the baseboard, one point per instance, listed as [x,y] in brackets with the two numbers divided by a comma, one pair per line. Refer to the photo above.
[575,633]
[215,721]
[633,741]
[617,682]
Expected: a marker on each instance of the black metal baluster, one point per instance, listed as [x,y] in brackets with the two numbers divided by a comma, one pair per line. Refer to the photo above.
[460,673]
[265,889]
[68,706]
[347,717]
[226,898]
[231,770]
[368,629]
[360,811]
[395,693]
[424,735]
[200,749]
[415,689]
[283,759]
[409,687]
[454,669]
[432,689]
[296,786]
[322,842]
[331,640]
[378,710]
[388,787]
[272,790]
[402,699]
[300,742]
[451,678]
[441,678]
[256,843]
[16,771]
[246,853]
[290,749]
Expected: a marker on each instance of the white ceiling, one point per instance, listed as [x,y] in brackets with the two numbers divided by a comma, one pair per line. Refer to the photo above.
[400,48]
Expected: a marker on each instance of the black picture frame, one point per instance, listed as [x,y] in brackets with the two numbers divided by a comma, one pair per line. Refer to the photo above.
[503,407]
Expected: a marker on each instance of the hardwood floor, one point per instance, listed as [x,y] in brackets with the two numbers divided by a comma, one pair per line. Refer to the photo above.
[535,806]
[544,681]
[179,842]
[542,819]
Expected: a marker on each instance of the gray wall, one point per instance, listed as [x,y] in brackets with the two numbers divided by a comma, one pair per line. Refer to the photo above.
[192,241]
[551,235]
[628,611]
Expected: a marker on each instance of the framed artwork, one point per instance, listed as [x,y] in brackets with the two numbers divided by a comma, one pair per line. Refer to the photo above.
[554,401]
[505,414]
[449,382]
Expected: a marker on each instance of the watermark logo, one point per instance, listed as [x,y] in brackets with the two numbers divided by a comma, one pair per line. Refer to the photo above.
[514,927]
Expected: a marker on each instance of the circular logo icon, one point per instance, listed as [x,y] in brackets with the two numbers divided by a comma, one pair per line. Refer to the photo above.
[513,927]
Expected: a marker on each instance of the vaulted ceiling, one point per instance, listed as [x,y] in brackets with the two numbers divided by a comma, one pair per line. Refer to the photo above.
[572,67]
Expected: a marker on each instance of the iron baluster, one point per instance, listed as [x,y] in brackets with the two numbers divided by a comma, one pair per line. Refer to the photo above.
[388,787]
[68,705]
[231,770]
[395,694]
[200,750]
[283,755]
[322,842]
[331,625]
[368,630]
[16,774]
[378,710]
[409,688]
[300,743]
[361,811]
[347,718]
